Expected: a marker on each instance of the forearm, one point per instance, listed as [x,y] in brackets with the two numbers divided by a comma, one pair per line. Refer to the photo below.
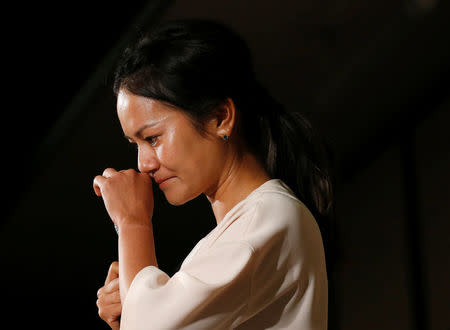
[136,251]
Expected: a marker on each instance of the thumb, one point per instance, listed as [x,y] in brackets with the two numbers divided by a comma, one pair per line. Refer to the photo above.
[113,272]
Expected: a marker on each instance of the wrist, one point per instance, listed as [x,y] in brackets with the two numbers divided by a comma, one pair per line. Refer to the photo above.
[130,222]
[135,230]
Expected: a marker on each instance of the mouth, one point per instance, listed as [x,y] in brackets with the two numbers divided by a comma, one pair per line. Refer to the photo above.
[164,182]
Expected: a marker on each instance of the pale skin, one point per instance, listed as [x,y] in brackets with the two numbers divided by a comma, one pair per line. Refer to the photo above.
[171,148]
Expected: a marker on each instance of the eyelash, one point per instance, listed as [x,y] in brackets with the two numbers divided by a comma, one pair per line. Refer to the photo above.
[150,138]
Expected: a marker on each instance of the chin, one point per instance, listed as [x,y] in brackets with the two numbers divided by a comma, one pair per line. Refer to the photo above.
[175,202]
[178,198]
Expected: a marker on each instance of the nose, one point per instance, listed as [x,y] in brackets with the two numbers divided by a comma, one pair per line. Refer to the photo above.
[147,160]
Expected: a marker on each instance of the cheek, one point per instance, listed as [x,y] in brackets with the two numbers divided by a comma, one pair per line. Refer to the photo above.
[205,160]
[176,152]
[189,154]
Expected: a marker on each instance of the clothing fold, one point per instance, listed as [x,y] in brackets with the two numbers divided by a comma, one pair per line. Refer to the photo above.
[261,267]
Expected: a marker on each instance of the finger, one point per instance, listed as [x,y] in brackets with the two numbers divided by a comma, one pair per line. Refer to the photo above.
[113,272]
[109,313]
[110,298]
[111,286]
[98,183]
[109,172]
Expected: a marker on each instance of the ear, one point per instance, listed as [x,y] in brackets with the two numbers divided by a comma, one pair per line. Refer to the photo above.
[225,118]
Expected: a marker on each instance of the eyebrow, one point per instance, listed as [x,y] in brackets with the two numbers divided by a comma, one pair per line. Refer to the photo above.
[139,131]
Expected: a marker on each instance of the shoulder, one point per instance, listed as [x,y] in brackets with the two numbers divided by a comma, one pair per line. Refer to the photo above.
[277,215]
[276,205]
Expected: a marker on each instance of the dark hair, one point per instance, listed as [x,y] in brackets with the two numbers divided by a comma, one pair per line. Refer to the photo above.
[195,64]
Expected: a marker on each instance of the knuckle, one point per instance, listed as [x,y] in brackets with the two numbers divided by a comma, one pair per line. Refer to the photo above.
[113,285]
[96,179]
[114,265]
[110,319]
[133,172]
[106,170]
[107,289]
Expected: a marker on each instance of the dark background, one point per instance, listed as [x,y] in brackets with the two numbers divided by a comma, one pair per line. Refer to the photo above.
[373,77]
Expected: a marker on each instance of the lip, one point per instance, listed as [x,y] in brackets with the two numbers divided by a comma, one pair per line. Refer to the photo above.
[163,182]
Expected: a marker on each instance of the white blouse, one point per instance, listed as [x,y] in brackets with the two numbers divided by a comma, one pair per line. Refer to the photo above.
[261,267]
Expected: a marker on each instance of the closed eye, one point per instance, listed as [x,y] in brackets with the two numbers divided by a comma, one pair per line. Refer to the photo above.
[152,140]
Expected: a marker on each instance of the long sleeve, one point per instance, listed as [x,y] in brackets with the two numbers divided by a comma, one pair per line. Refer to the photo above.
[210,292]
[262,267]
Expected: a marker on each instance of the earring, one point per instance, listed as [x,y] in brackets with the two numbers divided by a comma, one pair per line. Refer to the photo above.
[225,137]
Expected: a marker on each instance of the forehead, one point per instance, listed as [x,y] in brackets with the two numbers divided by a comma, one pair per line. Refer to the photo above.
[130,105]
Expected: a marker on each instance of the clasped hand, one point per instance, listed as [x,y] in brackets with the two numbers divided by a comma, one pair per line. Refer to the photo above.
[108,302]
[127,194]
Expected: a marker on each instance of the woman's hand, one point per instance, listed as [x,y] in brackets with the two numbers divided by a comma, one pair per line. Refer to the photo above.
[108,302]
[128,196]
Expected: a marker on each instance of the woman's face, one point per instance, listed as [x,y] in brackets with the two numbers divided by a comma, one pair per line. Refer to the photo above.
[170,147]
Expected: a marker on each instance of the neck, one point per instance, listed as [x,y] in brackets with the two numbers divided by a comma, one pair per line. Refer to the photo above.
[240,178]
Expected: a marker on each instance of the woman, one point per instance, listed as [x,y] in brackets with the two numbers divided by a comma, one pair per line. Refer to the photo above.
[188,98]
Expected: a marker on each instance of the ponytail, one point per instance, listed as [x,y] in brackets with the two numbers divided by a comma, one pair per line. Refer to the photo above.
[292,151]
[195,64]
